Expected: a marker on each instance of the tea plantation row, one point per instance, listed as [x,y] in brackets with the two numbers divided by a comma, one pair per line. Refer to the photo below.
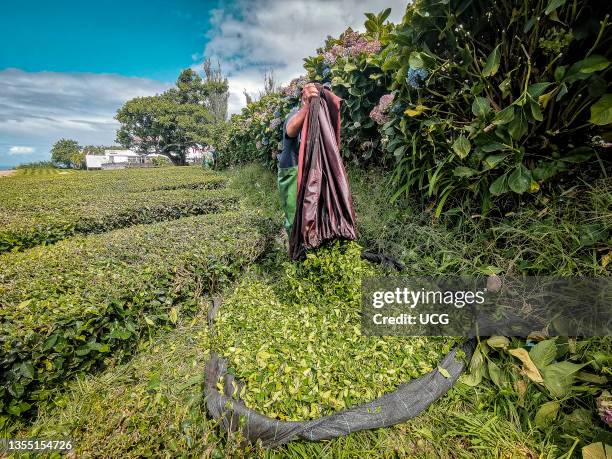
[69,308]
[45,210]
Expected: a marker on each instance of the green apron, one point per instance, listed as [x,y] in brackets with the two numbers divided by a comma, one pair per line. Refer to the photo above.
[287,187]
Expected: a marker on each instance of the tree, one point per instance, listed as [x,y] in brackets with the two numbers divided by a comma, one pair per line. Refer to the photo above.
[247,96]
[66,152]
[93,150]
[218,90]
[271,85]
[182,117]
[161,124]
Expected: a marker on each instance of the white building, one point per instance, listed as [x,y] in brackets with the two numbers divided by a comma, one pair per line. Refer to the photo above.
[114,159]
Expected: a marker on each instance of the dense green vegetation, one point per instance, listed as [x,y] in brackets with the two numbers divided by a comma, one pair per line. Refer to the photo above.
[294,339]
[480,103]
[476,134]
[153,403]
[37,167]
[71,307]
[39,210]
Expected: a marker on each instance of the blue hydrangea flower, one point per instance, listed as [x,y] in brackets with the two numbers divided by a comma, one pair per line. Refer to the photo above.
[265,141]
[326,72]
[277,114]
[416,77]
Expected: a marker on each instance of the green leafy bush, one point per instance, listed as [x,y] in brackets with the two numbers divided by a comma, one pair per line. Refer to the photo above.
[297,343]
[67,309]
[353,65]
[160,161]
[255,134]
[38,210]
[475,101]
[37,165]
[501,96]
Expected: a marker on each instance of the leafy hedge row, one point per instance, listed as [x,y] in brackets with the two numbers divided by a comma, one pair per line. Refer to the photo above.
[256,133]
[22,190]
[74,306]
[471,98]
[34,225]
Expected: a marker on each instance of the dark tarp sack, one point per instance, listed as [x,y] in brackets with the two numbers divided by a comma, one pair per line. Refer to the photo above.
[404,403]
[324,208]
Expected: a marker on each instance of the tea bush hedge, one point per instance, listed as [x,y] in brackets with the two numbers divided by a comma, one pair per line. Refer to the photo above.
[69,308]
[23,191]
[297,344]
[45,211]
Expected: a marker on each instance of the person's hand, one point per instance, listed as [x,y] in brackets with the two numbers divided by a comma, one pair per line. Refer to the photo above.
[309,91]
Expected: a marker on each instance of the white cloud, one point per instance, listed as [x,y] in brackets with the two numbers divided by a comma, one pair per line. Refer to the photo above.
[38,108]
[19,150]
[256,35]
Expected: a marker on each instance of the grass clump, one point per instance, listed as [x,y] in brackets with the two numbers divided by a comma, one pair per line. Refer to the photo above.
[149,407]
[296,341]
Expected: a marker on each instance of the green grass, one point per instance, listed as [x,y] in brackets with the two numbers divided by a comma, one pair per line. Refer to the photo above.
[566,234]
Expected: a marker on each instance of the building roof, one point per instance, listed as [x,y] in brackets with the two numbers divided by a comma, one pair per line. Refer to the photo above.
[121,153]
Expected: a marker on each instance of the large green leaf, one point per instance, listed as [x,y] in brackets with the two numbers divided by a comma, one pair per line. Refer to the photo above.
[593,63]
[504,116]
[349,67]
[499,186]
[601,111]
[547,413]
[462,171]
[384,15]
[553,5]
[520,180]
[480,106]
[492,146]
[495,373]
[537,89]
[597,450]
[476,369]
[492,64]
[461,146]
[559,377]
[536,113]
[543,353]
[518,126]
[416,60]
[492,161]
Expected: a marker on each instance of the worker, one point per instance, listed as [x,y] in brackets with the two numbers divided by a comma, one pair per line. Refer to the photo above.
[288,158]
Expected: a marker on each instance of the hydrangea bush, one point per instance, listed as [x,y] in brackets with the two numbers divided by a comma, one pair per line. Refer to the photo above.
[483,102]
[256,133]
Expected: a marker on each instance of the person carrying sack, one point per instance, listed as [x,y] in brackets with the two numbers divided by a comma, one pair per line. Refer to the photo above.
[312,180]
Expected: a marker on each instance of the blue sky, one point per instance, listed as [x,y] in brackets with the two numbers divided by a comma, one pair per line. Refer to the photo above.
[144,38]
[66,66]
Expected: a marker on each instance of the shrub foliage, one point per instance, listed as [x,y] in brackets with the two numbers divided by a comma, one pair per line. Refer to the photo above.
[83,303]
[44,209]
[470,99]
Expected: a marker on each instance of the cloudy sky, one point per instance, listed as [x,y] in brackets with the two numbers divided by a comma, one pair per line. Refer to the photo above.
[66,66]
